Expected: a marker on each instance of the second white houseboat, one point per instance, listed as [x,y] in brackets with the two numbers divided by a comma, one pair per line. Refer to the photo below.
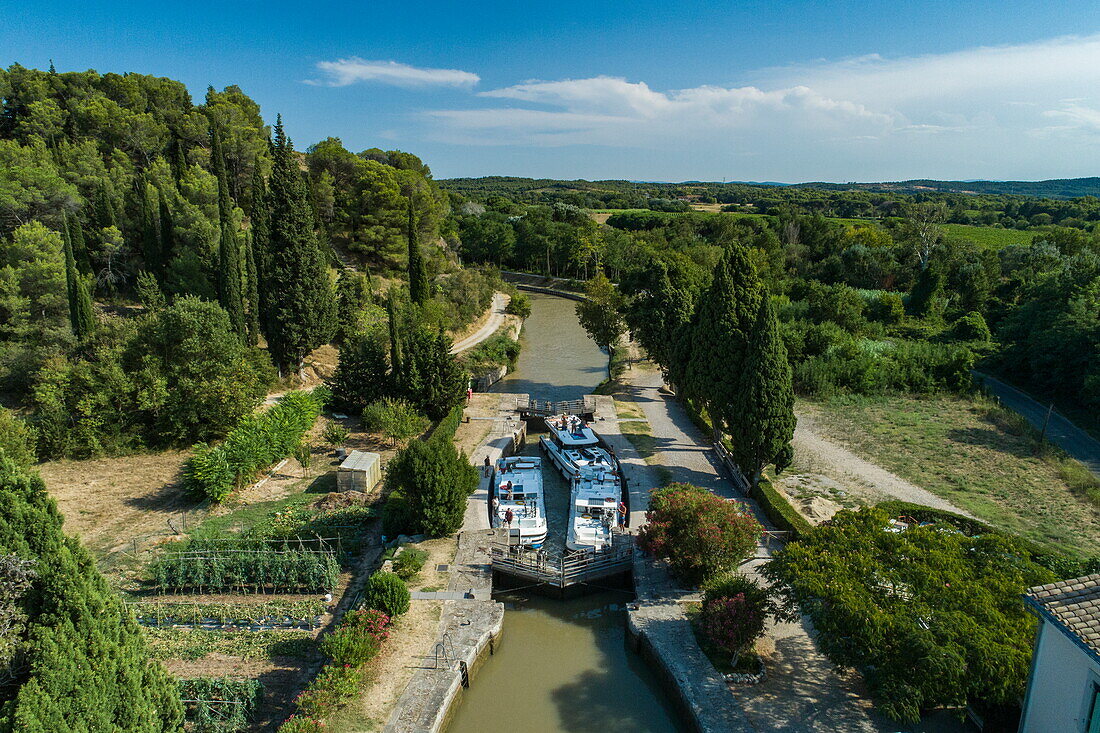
[573,446]
[517,500]
[594,509]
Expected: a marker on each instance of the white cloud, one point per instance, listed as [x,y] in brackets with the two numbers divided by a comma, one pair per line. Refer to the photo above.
[1005,111]
[343,72]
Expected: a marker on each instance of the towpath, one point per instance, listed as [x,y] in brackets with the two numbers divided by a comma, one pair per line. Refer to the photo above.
[491,325]
[803,692]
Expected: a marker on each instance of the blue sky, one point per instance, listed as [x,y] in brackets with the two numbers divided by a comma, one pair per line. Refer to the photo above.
[784,91]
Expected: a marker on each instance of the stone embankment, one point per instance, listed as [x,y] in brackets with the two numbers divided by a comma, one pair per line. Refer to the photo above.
[471,622]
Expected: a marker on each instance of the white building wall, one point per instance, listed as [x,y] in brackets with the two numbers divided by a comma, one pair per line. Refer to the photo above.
[1060,686]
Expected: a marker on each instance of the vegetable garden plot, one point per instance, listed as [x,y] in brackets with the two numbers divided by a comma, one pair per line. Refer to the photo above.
[219,705]
[304,614]
[246,570]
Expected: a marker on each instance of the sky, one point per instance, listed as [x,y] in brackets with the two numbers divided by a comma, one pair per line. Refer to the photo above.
[642,90]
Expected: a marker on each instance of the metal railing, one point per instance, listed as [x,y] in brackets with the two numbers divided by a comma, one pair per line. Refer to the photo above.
[561,571]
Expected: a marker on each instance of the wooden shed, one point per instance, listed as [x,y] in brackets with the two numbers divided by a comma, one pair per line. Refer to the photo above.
[360,471]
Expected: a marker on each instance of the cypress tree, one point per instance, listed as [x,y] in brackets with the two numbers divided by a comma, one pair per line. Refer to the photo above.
[166,231]
[229,253]
[302,302]
[418,278]
[252,290]
[395,335]
[86,663]
[362,374]
[259,226]
[147,224]
[104,208]
[762,429]
[430,377]
[719,336]
[81,315]
[80,249]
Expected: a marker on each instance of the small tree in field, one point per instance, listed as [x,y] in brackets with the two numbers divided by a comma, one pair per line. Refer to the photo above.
[601,313]
[701,535]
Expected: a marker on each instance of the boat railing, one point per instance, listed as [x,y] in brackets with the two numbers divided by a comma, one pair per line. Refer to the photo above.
[561,571]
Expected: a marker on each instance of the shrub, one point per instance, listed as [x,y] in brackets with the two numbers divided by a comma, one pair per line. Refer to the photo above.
[335,434]
[409,562]
[17,439]
[301,724]
[350,645]
[699,533]
[971,327]
[388,593]
[437,480]
[207,714]
[371,620]
[735,611]
[396,419]
[519,305]
[397,515]
[500,350]
[332,686]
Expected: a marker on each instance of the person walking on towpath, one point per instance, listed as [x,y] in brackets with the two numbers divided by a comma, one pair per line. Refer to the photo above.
[488,466]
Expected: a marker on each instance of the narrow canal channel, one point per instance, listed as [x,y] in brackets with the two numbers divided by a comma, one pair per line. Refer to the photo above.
[562,666]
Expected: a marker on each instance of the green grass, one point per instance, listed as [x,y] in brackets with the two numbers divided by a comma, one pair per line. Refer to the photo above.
[980,458]
[241,518]
[989,237]
[194,644]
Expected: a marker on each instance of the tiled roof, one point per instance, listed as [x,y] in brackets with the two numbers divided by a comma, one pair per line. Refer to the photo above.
[1075,604]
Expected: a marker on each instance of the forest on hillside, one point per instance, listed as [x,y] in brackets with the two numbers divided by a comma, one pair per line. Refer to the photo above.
[165,262]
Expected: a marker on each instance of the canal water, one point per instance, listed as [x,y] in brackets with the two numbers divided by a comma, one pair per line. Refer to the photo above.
[562,666]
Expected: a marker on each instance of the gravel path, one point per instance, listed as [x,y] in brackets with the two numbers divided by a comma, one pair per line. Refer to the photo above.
[860,475]
[803,692]
[496,318]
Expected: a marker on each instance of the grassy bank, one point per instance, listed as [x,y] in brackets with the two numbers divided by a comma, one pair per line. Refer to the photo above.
[976,456]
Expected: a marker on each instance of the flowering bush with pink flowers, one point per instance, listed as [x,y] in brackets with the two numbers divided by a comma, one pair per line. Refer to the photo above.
[701,535]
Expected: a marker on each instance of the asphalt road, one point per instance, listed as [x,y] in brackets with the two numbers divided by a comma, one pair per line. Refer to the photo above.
[1060,431]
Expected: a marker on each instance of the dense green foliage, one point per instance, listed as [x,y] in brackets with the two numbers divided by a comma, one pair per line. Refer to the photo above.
[260,439]
[409,562]
[929,615]
[435,479]
[80,661]
[735,612]
[247,567]
[219,704]
[396,419]
[388,593]
[701,535]
[778,510]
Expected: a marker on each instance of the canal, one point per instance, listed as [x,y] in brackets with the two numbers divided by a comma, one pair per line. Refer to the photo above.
[562,666]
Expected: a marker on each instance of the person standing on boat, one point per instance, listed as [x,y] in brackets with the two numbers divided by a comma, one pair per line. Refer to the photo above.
[622,515]
[508,517]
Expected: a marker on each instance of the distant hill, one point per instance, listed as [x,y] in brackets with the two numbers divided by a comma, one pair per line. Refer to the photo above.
[1060,188]
[1057,188]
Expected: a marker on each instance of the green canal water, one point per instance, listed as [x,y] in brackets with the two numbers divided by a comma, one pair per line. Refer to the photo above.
[561,666]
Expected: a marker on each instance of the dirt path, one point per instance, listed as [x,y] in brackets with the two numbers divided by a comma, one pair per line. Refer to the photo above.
[487,329]
[815,453]
[803,692]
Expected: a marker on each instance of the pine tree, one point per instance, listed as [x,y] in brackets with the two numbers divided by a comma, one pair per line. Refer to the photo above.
[719,337]
[87,665]
[229,257]
[302,303]
[418,278]
[762,428]
[81,315]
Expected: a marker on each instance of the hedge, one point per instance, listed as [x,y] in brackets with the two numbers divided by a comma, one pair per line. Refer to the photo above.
[258,441]
[776,507]
[446,428]
[1054,560]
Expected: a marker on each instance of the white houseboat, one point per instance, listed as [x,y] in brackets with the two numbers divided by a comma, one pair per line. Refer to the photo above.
[593,510]
[517,500]
[573,446]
